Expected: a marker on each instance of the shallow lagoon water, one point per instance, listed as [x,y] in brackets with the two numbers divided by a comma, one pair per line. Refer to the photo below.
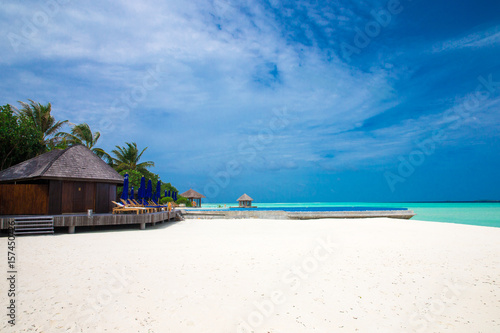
[473,213]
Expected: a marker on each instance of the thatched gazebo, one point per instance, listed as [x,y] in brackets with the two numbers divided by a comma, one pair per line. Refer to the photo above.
[192,195]
[66,181]
[245,201]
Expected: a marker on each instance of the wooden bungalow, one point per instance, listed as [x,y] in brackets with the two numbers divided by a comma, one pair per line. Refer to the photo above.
[192,195]
[67,181]
[245,201]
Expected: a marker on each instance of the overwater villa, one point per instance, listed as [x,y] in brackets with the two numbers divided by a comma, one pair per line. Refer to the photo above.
[194,197]
[245,201]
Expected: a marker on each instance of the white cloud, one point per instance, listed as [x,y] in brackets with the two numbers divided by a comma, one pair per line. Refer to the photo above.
[487,38]
[215,90]
[215,82]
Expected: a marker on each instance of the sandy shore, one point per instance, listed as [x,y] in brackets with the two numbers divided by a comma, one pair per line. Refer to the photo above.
[371,275]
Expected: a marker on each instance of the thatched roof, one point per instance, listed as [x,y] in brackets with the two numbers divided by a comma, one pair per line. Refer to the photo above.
[192,194]
[245,197]
[74,163]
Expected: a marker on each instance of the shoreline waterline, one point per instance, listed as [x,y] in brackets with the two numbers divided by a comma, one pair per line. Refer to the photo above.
[472,213]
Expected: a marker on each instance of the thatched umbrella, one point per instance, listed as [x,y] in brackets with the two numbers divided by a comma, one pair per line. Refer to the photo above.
[245,201]
[192,195]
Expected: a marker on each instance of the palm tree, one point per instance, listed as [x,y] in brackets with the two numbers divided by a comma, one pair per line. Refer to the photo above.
[82,134]
[43,121]
[128,157]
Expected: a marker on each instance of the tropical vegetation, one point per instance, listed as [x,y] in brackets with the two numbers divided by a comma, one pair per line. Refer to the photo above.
[31,130]
[81,134]
[183,200]
[128,158]
[45,124]
[19,138]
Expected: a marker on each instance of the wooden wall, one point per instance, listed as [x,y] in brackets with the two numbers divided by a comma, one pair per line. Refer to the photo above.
[24,199]
[55,198]
[78,197]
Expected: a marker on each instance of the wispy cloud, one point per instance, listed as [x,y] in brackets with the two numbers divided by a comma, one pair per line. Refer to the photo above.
[476,40]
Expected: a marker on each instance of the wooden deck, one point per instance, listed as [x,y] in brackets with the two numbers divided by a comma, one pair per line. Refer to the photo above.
[71,221]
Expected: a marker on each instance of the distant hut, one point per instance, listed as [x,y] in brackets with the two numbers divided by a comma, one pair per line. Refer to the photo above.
[245,201]
[66,181]
[192,195]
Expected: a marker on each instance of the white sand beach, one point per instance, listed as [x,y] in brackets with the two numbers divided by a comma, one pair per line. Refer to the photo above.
[365,275]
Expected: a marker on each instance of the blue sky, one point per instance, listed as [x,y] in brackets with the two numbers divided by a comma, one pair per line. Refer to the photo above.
[284,100]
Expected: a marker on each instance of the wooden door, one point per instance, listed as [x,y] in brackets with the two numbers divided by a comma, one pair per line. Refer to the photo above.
[101,199]
[78,197]
[55,197]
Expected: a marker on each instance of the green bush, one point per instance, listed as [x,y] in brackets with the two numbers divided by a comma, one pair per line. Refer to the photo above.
[165,200]
[183,200]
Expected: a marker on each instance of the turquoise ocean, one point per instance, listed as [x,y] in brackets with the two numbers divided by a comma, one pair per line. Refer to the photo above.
[473,213]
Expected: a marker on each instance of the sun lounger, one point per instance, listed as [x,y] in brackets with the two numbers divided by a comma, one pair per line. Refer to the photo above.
[133,204]
[157,205]
[121,208]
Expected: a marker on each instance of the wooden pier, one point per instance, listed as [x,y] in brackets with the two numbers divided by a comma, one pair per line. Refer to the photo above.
[284,215]
[71,221]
